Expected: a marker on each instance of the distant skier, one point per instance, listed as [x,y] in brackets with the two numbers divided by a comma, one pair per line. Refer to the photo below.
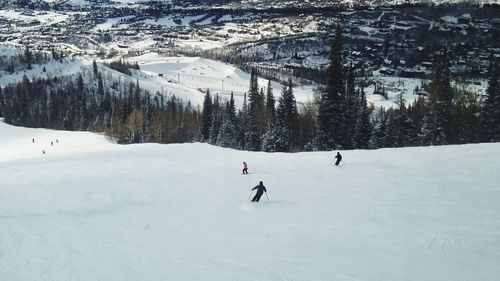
[260,190]
[57,141]
[245,168]
[33,140]
[51,143]
[339,158]
[43,151]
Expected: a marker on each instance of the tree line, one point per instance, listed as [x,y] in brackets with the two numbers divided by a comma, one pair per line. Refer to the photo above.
[338,118]
[121,110]
[446,115]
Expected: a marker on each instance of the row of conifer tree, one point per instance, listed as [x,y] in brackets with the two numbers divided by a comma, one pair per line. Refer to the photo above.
[339,118]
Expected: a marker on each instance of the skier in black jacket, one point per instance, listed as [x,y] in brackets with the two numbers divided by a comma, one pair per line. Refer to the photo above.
[339,158]
[260,190]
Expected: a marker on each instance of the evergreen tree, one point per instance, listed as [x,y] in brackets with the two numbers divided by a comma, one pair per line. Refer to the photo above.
[425,134]
[10,66]
[256,115]
[28,57]
[408,132]
[244,123]
[269,138]
[441,95]
[217,118]
[228,136]
[95,69]
[490,112]
[270,105]
[465,124]
[79,83]
[286,121]
[363,126]
[206,117]
[100,88]
[331,115]
[391,132]
[81,103]
[137,95]
[262,112]
[417,111]
[377,139]
[400,130]
[306,126]
[69,115]
[351,111]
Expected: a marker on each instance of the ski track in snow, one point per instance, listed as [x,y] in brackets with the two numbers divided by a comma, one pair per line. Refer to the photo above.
[92,210]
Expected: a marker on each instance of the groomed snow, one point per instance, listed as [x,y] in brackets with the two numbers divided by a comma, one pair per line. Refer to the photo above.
[91,210]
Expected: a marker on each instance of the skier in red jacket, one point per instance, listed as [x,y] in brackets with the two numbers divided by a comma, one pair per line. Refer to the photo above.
[245,168]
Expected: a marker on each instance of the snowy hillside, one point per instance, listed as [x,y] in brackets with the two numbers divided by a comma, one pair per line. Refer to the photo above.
[190,77]
[53,68]
[91,210]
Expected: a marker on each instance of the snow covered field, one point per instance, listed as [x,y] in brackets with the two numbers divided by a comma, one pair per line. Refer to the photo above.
[92,210]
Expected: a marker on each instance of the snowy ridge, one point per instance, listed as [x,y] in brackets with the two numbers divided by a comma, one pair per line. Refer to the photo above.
[92,210]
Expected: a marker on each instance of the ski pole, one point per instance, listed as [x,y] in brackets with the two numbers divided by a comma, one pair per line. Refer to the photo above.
[250,194]
[267,197]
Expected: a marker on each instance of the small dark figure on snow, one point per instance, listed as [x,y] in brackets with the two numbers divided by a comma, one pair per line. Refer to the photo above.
[260,190]
[33,140]
[43,151]
[245,168]
[339,158]
[51,143]
[57,141]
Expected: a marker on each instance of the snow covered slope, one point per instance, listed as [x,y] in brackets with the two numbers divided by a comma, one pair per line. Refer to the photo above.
[184,77]
[190,77]
[91,210]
